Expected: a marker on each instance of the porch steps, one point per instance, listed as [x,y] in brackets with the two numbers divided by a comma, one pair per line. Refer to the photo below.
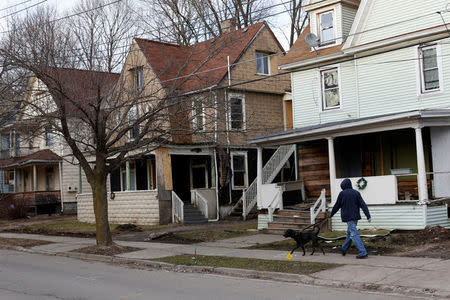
[237,212]
[192,215]
[291,219]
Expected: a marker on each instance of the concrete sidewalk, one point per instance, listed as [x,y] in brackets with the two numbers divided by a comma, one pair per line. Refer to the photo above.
[416,276]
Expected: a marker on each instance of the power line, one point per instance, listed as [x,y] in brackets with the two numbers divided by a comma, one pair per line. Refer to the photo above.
[12,6]
[26,8]
[86,11]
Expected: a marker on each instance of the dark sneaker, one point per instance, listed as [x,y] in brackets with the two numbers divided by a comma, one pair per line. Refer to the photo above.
[359,256]
[340,249]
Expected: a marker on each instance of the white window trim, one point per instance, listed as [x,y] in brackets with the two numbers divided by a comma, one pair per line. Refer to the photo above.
[322,107]
[319,32]
[419,72]
[194,116]
[244,117]
[239,153]
[123,171]
[268,63]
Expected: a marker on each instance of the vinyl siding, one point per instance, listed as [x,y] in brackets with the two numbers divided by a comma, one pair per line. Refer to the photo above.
[437,215]
[348,15]
[406,217]
[387,12]
[385,83]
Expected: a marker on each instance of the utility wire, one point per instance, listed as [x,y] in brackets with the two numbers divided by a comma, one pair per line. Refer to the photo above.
[12,6]
[23,9]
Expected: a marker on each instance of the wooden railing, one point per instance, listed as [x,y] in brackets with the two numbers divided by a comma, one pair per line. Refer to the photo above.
[319,206]
[177,208]
[38,198]
[200,202]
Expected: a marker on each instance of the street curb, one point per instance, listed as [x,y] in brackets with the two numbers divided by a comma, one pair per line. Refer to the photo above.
[244,273]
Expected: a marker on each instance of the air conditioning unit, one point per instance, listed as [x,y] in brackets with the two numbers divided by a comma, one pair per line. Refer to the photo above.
[72,189]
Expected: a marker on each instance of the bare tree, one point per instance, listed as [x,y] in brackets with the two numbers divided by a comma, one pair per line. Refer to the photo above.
[102,32]
[94,113]
[298,20]
[187,22]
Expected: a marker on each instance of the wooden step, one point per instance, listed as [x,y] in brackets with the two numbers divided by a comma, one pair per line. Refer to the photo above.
[287,226]
[292,213]
[292,220]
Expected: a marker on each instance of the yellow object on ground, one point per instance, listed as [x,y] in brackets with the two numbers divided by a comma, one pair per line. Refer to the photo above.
[289,256]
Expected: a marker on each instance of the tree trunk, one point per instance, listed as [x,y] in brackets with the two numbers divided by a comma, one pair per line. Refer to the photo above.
[100,196]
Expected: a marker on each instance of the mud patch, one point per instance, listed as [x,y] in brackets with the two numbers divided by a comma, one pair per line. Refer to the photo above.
[106,250]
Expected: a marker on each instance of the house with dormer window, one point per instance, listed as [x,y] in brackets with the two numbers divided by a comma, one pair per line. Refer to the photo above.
[370,102]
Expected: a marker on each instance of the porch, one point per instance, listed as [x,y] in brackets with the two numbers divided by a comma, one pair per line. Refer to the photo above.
[399,163]
[33,181]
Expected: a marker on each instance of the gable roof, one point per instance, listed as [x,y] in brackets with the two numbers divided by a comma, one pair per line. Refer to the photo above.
[174,64]
[42,156]
[80,86]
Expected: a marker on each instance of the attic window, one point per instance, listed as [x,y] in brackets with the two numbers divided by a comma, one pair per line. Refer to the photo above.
[262,63]
[139,78]
[326,28]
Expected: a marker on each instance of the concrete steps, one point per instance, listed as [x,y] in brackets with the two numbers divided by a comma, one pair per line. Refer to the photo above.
[192,215]
[291,219]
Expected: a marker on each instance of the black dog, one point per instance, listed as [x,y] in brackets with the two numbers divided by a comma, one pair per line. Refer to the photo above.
[303,238]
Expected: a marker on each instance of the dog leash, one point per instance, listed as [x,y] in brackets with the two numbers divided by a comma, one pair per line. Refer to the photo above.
[316,224]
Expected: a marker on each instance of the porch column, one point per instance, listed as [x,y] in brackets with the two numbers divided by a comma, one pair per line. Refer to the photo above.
[34,178]
[421,171]
[15,181]
[259,175]
[332,165]
[128,176]
[80,180]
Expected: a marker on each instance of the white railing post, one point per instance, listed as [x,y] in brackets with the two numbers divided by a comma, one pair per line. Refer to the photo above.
[421,169]
[320,205]
[244,205]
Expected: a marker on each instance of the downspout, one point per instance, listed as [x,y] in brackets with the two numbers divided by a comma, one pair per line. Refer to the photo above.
[217,189]
[60,187]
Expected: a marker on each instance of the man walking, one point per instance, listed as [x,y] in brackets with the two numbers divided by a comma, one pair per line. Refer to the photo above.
[349,202]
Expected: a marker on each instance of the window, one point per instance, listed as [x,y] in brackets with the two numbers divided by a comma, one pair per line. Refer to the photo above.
[330,89]
[132,121]
[139,77]
[198,114]
[6,141]
[326,29]
[132,177]
[49,179]
[262,63]
[239,169]
[30,140]
[237,112]
[430,72]
[48,136]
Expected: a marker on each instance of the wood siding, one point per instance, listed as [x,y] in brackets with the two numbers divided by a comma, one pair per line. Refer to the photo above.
[313,167]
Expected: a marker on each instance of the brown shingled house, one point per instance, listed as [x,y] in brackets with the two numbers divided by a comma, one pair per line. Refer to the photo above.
[210,162]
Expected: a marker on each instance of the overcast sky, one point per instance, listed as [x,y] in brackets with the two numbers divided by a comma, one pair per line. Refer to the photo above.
[279,24]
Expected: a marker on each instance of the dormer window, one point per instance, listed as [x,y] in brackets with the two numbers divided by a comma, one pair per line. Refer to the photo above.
[326,28]
[262,63]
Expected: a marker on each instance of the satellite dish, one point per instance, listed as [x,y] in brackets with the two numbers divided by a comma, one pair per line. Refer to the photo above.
[312,40]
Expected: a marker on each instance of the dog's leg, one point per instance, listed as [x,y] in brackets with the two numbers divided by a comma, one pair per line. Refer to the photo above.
[295,249]
[314,249]
[303,248]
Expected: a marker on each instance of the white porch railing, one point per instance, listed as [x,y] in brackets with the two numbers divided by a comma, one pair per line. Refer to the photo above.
[200,202]
[177,208]
[277,202]
[269,172]
[319,206]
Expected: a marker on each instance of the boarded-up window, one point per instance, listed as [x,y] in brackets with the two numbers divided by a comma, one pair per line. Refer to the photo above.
[330,89]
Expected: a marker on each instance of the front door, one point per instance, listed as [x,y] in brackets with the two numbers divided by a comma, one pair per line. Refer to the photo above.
[199,173]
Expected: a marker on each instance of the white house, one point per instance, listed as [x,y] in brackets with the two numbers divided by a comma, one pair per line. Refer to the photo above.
[371,101]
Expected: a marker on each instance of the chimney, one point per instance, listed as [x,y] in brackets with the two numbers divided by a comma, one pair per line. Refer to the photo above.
[228,25]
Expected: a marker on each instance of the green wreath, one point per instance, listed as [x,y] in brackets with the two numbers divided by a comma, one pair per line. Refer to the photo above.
[361,183]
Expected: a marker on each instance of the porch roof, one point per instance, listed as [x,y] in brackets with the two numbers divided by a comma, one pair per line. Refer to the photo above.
[42,156]
[395,121]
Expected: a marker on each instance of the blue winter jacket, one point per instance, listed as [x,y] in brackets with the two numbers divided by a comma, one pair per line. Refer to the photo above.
[349,201]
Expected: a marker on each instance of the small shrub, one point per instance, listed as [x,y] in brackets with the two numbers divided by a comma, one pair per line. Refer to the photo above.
[14,208]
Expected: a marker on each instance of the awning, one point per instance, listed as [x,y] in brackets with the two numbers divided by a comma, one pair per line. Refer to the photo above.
[42,156]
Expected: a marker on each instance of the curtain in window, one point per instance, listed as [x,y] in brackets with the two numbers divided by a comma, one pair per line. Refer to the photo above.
[262,63]
[331,88]
[326,27]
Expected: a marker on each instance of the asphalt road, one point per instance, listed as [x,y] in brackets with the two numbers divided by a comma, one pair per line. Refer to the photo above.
[29,276]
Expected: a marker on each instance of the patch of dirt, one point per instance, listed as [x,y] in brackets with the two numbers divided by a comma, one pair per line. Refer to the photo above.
[45,231]
[129,228]
[107,250]
[174,238]
[11,243]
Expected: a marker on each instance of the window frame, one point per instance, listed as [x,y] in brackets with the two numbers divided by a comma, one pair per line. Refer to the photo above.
[323,107]
[265,56]
[48,136]
[130,132]
[139,78]
[319,28]
[239,153]
[194,114]
[420,69]
[229,117]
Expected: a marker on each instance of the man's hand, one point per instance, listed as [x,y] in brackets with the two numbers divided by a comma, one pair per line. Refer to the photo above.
[369,220]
